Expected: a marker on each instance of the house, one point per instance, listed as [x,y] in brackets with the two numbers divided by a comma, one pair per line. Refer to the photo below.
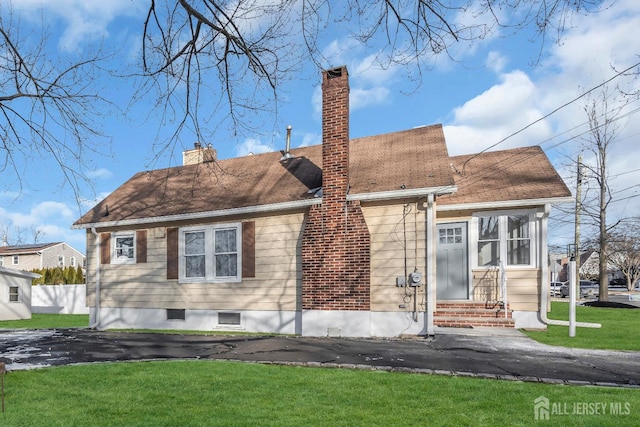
[589,266]
[375,236]
[40,255]
[15,293]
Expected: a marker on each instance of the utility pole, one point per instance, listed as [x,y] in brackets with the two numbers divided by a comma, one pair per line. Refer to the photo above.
[578,216]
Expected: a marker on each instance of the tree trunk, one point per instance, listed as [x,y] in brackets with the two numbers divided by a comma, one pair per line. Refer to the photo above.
[604,238]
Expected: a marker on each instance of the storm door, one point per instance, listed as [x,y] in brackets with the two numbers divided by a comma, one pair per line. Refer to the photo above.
[452,274]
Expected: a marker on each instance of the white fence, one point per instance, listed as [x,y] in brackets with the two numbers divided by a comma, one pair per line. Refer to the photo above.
[61,299]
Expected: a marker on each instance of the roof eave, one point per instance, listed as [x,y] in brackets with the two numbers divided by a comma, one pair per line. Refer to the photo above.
[19,273]
[383,195]
[200,215]
[403,194]
[505,204]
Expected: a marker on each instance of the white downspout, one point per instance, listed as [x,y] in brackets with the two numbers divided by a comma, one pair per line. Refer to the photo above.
[503,289]
[544,286]
[431,276]
[96,322]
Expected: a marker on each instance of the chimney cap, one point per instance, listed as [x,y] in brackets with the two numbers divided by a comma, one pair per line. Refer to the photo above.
[336,72]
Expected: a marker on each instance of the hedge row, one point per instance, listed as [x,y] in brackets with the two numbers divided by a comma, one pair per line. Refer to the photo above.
[59,276]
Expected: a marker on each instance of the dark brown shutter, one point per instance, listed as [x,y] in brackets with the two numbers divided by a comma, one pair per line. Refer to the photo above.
[249,249]
[105,248]
[141,246]
[172,253]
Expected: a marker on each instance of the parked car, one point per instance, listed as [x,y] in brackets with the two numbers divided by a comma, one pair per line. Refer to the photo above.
[587,288]
[554,288]
[618,283]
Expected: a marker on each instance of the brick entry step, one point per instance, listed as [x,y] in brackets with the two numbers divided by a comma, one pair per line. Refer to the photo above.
[467,314]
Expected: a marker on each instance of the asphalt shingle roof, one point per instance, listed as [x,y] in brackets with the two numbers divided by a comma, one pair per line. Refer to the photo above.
[25,249]
[496,176]
[406,160]
[411,159]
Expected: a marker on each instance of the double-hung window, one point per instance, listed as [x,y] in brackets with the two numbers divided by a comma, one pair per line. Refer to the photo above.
[210,253]
[14,294]
[518,240]
[123,248]
[504,238]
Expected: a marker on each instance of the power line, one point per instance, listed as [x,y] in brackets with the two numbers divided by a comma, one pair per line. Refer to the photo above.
[488,172]
[551,113]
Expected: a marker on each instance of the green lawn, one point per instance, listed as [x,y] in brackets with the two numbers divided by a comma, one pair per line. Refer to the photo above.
[203,393]
[620,328]
[48,321]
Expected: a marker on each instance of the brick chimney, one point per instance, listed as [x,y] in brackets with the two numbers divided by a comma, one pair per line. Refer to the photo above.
[335,240]
[199,154]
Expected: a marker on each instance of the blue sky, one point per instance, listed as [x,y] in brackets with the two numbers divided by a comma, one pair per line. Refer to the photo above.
[495,87]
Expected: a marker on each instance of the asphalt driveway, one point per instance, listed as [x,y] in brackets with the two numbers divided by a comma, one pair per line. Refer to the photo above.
[512,357]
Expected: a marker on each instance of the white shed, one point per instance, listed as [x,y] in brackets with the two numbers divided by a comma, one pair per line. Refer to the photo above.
[15,294]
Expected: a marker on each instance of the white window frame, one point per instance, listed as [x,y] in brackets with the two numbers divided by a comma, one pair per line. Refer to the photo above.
[60,260]
[209,233]
[18,293]
[15,260]
[72,261]
[114,247]
[503,219]
[1,260]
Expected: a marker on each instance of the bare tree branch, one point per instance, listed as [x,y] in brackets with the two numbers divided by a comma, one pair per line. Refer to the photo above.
[47,108]
[248,47]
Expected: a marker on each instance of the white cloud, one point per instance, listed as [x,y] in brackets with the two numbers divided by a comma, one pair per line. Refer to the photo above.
[368,71]
[52,219]
[84,20]
[362,98]
[592,51]
[86,204]
[252,146]
[496,61]
[359,97]
[309,139]
[101,173]
[9,195]
[494,115]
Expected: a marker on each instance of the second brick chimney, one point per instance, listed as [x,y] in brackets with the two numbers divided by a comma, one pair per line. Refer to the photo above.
[199,154]
[335,239]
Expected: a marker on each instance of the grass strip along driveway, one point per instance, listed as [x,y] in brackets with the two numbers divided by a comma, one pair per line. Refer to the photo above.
[620,328]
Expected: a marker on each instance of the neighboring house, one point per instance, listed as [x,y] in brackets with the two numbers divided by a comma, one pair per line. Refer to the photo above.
[41,255]
[15,294]
[589,266]
[375,236]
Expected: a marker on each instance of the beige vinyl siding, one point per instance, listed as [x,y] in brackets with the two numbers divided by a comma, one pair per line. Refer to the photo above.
[523,290]
[388,253]
[144,285]
[522,287]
